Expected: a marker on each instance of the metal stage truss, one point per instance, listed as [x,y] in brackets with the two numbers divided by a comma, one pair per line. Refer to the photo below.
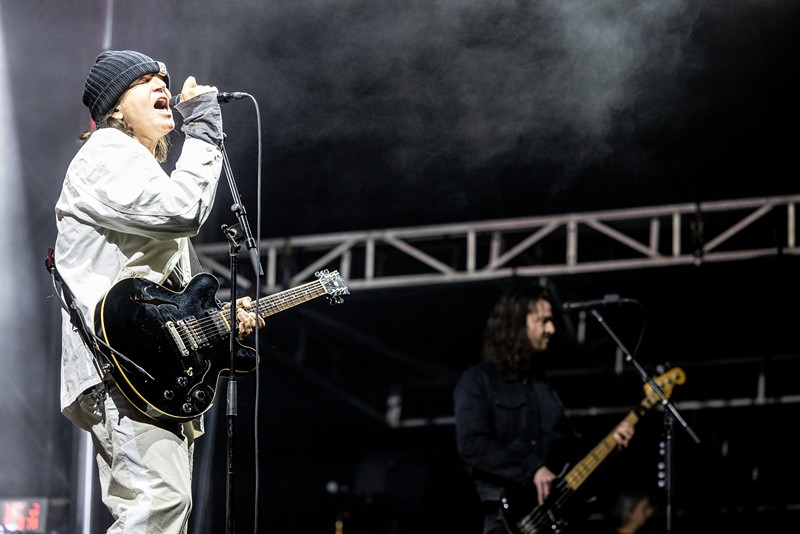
[550,245]
[544,246]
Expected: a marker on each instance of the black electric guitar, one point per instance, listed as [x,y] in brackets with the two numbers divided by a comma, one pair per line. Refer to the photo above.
[170,348]
[551,516]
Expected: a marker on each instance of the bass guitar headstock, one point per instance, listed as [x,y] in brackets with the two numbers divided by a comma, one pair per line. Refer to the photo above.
[666,382]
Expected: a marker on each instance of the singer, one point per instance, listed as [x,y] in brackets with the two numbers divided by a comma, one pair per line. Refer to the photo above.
[511,428]
[120,215]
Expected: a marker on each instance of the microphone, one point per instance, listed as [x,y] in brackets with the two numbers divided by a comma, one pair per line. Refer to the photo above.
[221,98]
[590,304]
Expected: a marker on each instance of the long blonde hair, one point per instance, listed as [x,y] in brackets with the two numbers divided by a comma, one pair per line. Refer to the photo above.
[162,145]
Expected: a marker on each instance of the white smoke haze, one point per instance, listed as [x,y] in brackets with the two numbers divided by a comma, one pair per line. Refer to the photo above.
[465,79]
[457,110]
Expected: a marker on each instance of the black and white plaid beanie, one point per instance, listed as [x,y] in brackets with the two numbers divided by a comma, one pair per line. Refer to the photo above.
[112,74]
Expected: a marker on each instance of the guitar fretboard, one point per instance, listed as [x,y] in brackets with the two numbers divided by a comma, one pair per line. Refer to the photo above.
[596,456]
[585,467]
[284,300]
[328,283]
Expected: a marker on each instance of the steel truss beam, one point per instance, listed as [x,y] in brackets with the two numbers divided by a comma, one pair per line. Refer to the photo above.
[550,245]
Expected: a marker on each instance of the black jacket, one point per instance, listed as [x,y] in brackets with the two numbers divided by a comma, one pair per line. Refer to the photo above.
[508,426]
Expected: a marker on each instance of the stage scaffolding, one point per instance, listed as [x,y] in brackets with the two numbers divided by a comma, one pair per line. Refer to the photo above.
[546,246]
[550,245]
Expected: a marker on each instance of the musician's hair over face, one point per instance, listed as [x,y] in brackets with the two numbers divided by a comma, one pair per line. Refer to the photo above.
[505,338]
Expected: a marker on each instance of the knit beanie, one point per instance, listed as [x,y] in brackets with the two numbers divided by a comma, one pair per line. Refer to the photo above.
[112,74]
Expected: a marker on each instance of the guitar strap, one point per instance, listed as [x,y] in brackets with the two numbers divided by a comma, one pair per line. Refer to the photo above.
[194,261]
[101,361]
[177,279]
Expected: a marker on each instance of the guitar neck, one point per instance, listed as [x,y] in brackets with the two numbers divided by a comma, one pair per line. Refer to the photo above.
[284,300]
[578,474]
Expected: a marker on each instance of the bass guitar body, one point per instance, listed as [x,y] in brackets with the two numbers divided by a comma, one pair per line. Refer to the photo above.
[554,516]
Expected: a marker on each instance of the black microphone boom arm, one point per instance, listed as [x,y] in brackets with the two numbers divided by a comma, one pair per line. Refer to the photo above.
[591,304]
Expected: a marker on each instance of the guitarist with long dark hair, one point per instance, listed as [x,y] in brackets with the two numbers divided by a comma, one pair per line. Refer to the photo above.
[511,428]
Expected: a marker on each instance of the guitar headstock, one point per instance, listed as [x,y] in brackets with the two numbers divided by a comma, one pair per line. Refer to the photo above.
[333,284]
[666,382]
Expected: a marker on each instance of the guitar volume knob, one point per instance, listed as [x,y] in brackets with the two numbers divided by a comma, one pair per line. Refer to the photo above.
[187,407]
[168,394]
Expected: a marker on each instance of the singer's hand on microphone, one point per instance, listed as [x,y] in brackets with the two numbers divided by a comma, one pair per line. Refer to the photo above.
[191,89]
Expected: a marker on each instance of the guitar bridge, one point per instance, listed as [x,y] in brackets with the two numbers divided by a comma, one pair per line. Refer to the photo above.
[183,332]
[191,333]
[176,338]
[186,332]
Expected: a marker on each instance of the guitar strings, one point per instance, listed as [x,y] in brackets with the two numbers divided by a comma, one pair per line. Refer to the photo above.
[197,331]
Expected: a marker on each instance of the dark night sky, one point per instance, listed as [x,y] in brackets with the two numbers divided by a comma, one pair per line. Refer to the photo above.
[378,114]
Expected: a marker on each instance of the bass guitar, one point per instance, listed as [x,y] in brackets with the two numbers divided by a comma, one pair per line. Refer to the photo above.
[551,515]
[167,349]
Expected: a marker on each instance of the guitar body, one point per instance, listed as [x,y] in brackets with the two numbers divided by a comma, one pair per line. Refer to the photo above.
[515,506]
[554,516]
[175,345]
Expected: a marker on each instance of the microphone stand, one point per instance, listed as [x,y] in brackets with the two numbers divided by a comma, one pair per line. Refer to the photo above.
[670,414]
[665,449]
[231,406]
[232,392]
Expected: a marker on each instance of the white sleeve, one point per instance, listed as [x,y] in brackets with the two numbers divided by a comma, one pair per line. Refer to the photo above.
[115,183]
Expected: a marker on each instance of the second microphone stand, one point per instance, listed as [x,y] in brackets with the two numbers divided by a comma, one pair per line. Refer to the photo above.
[671,414]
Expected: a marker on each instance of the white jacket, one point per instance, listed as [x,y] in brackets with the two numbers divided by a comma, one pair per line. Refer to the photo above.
[120,215]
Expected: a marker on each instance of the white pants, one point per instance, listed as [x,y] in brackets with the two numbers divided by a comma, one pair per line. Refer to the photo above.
[145,466]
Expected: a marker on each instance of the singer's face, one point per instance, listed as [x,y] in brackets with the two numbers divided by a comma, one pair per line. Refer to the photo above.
[539,325]
[145,108]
